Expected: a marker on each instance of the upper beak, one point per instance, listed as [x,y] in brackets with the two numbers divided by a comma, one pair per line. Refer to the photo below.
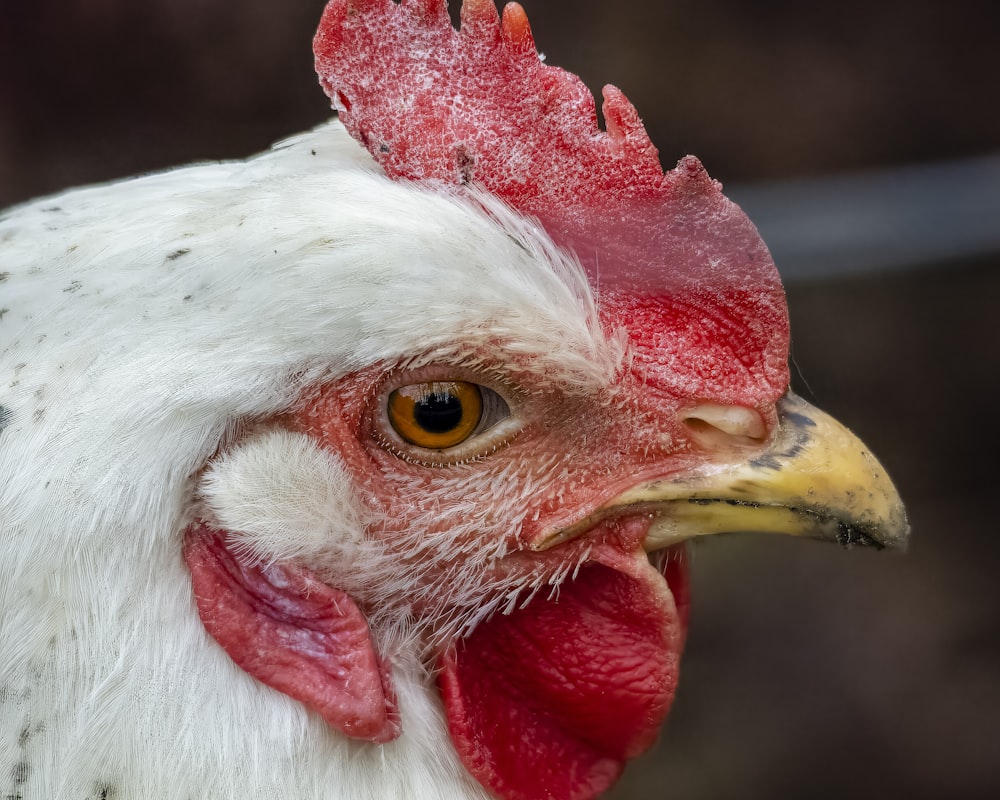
[813,478]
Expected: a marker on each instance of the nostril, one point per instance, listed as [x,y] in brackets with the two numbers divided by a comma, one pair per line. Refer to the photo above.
[714,424]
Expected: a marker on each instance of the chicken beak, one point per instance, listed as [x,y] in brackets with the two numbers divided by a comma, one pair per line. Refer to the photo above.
[813,478]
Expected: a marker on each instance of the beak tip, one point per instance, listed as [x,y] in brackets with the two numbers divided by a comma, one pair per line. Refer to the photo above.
[889,530]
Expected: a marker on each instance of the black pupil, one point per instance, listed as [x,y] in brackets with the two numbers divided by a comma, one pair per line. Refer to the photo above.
[439,412]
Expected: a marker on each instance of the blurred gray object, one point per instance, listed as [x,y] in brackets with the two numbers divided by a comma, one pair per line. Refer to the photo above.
[880,219]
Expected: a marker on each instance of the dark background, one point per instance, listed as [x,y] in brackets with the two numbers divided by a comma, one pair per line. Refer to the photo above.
[811,672]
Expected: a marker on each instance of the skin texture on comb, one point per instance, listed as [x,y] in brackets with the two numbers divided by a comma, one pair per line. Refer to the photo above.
[477,106]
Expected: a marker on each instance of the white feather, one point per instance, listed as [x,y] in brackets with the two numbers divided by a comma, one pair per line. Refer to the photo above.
[143,323]
[284,498]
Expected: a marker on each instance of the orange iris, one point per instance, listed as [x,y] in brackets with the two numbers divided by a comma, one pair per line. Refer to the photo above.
[436,414]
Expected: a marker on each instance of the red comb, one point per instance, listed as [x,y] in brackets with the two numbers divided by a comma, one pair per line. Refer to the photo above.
[477,105]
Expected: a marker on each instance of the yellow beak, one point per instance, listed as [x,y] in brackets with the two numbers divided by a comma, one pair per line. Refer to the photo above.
[813,478]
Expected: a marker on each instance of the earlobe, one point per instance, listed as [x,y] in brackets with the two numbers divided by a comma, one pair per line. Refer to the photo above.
[280,496]
[295,634]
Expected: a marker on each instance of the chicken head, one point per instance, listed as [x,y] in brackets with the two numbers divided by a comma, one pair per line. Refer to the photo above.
[368,467]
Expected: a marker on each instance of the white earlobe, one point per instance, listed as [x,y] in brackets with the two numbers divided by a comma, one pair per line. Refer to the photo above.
[283,497]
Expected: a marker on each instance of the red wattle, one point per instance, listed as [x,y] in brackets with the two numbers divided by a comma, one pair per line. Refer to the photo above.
[551,700]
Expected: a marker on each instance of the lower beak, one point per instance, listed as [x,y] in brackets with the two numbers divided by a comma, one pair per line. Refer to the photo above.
[814,478]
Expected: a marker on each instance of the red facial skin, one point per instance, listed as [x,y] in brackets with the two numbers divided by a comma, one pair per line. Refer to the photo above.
[553,698]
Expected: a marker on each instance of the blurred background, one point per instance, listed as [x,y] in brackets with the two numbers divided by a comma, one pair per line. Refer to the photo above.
[811,672]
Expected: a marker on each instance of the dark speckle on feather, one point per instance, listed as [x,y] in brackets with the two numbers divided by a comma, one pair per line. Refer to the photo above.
[178,253]
[74,286]
[105,791]
[6,417]
[19,773]
[4,276]
[25,736]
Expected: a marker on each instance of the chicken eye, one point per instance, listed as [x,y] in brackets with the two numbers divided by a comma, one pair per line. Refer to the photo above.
[437,414]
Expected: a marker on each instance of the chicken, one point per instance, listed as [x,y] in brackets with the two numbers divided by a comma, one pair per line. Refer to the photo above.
[337,473]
